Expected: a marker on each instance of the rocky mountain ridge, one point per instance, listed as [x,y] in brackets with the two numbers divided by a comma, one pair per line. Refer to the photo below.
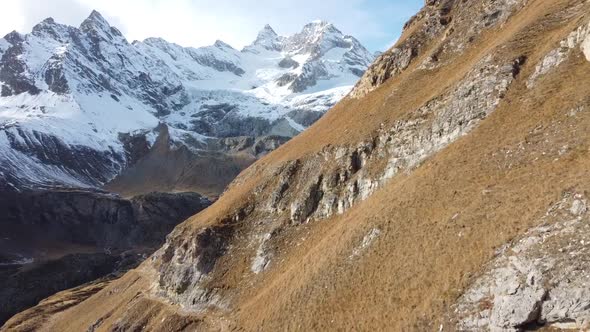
[73,92]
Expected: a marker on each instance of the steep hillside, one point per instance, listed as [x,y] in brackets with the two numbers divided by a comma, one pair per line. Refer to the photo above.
[80,105]
[447,192]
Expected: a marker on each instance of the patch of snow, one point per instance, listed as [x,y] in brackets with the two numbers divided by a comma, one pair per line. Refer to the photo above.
[33,170]
[94,121]
[4,45]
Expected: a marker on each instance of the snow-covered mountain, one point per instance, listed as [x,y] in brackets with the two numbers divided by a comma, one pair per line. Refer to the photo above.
[79,105]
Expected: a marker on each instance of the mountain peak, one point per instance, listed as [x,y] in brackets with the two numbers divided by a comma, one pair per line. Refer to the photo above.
[320,26]
[319,22]
[96,16]
[14,37]
[95,22]
[267,38]
[267,31]
[47,25]
[266,34]
[46,22]
[318,37]
[221,44]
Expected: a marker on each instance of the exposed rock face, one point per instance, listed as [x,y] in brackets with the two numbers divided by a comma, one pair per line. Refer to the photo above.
[175,167]
[288,63]
[94,219]
[185,267]
[136,147]
[540,280]
[10,74]
[37,226]
[433,29]
[246,144]
[586,47]
[438,123]
[366,242]
[577,38]
[262,258]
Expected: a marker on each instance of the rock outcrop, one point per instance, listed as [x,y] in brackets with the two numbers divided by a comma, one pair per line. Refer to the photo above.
[335,180]
[576,39]
[539,280]
[431,37]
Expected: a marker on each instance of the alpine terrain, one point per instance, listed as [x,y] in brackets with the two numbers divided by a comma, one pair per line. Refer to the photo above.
[81,106]
[448,191]
[106,145]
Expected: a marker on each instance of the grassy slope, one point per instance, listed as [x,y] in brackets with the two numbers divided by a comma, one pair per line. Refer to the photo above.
[419,264]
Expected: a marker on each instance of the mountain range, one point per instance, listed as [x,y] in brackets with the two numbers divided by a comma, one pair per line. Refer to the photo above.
[80,106]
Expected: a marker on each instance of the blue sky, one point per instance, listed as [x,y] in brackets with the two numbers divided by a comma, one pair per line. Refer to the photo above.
[376,23]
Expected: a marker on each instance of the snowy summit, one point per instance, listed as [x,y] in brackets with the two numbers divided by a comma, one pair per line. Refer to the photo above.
[82,88]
